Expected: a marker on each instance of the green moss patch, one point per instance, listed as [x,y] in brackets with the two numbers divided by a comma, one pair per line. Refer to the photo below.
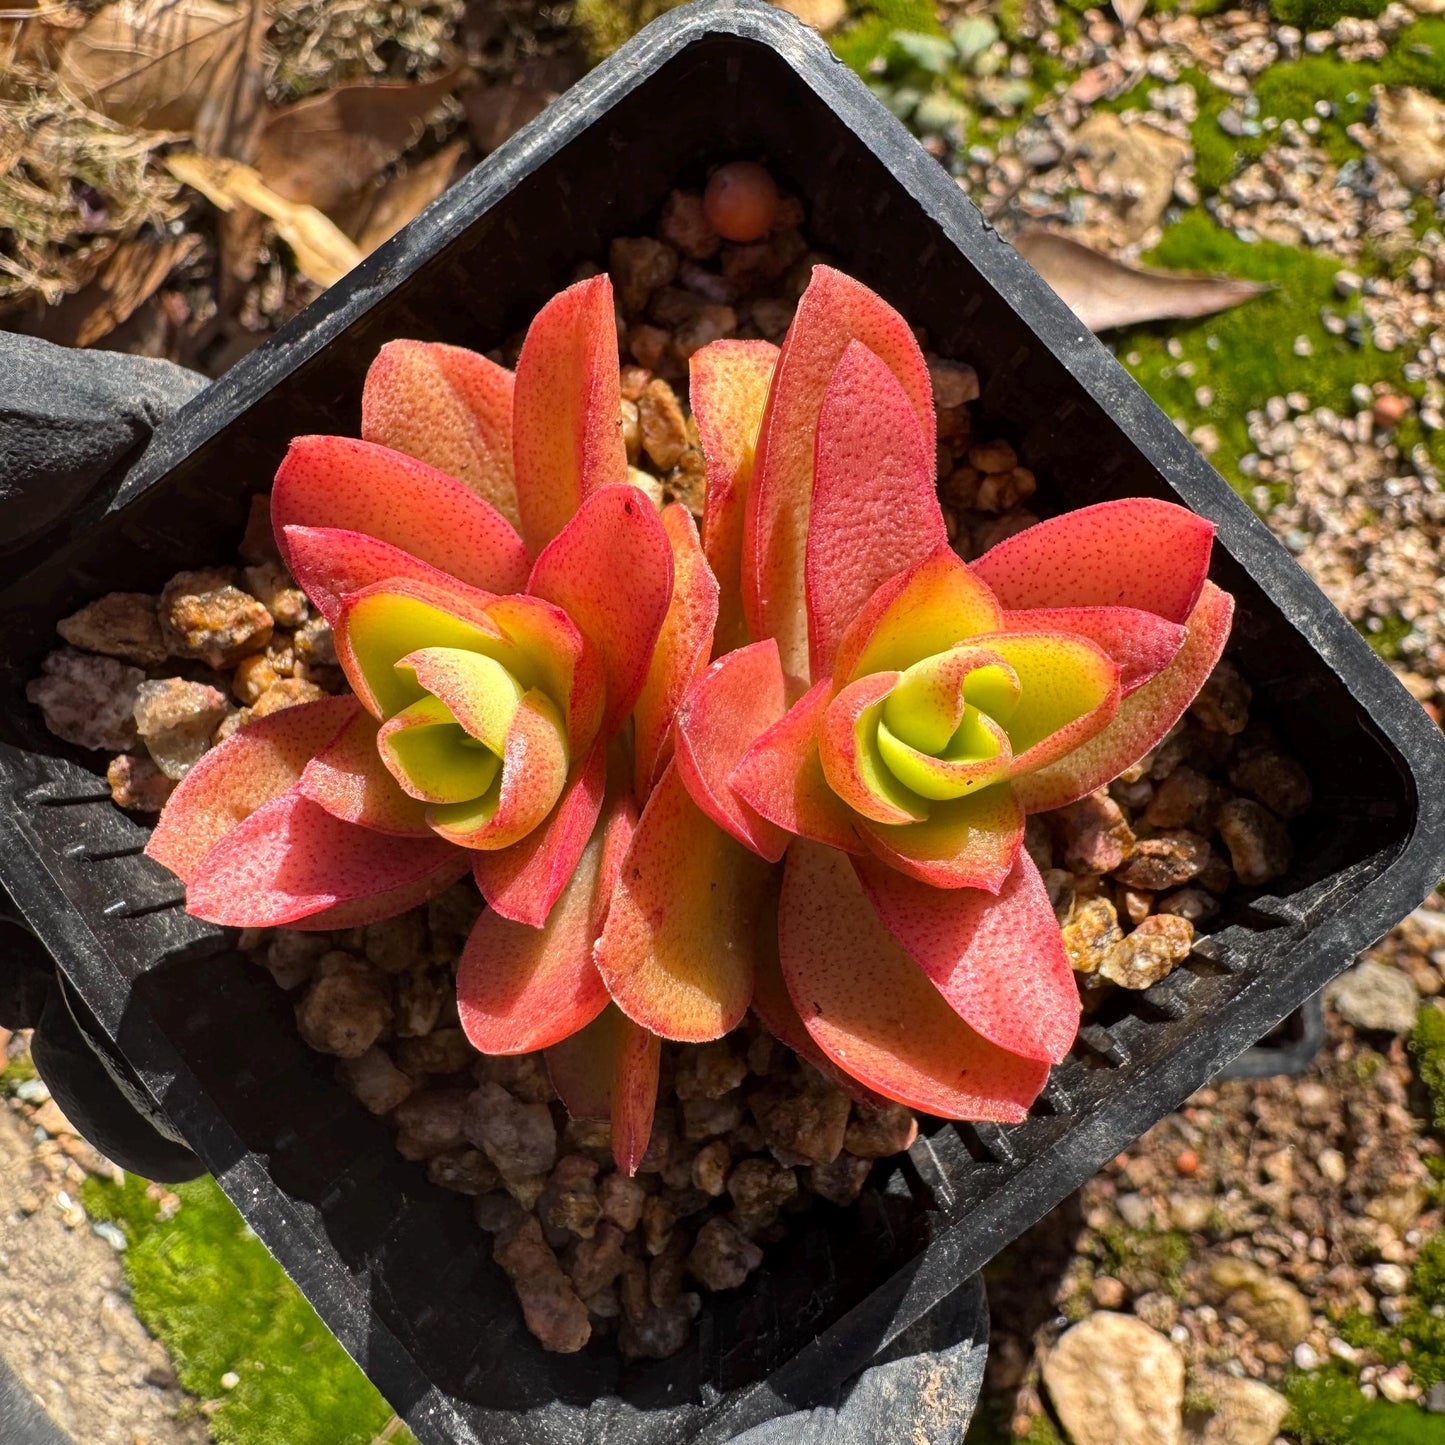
[1245,356]
[208,1289]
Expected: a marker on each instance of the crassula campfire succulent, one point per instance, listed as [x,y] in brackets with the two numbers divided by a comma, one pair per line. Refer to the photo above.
[781,765]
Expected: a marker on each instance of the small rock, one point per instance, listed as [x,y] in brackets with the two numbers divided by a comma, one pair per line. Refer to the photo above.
[553,1312]
[622,1200]
[1376,997]
[1409,134]
[842,1181]
[375,1081]
[343,1013]
[879,1133]
[1268,1304]
[1190,1212]
[271,585]
[664,429]
[1136,1211]
[175,720]
[804,1121]
[87,700]
[1223,702]
[205,615]
[1091,934]
[1331,1163]
[1165,861]
[1305,1356]
[1246,1412]
[431,1122]
[1259,847]
[1114,1381]
[520,1139]
[722,1258]
[120,624]
[1390,1279]
[136,783]
[1108,1292]
[1153,951]
[464,1171]
[640,265]
[288,692]
[230,1380]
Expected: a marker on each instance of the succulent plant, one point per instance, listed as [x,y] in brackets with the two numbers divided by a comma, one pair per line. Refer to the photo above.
[783,764]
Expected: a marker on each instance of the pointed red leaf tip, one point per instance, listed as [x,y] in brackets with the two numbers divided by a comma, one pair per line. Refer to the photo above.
[781,776]
[566,441]
[917,614]
[998,961]
[872,1011]
[449,407]
[521,988]
[232,781]
[609,1070]
[524,881]
[349,780]
[1144,717]
[683,647]
[678,946]
[330,563]
[968,842]
[1138,552]
[735,701]
[729,383]
[290,859]
[610,570]
[833,311]
[358,486]
[1143,644]
[875,508]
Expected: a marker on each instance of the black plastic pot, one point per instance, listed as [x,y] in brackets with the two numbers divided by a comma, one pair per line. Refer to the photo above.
[394,1265]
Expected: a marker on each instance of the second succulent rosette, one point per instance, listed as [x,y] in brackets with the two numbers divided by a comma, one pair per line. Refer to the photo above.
[783,764]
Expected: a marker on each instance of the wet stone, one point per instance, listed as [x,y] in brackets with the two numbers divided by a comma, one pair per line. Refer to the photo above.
[1091,934]
[205,615]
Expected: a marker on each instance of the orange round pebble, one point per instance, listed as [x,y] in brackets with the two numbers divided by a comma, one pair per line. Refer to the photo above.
[1187,1162]
[741,201]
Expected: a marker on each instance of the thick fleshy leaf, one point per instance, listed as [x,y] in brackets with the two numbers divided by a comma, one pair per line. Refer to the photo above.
[927,610]
[1142,643]
[358,912]
[552,654]
[1068,692]
[229,783]
[970,842]
[1138,552]
[523,882]
[609,1071]
[566,441]
[1144,717]
[381,624]
[533,774]
[290,859]
[329,481]
[736,700]
[678,947]
[781,776]
[773,1005]
[875,509]
[998,961]
[449,407]
[869,1007]
[683,648]
[348,778]
[834,311]
[977,755]
[729,390]
[521,988]
[848,751]
[329,563]
[478,691]
[927,705]
[432,758]
[610,570]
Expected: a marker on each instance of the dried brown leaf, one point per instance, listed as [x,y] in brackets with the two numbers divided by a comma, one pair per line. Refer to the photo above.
[174,65]
[323,150]
[323,252]
[380,210]
[132,273]
[1104,293]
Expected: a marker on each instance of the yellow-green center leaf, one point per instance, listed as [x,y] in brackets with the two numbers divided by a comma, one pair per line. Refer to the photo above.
[482,695]
[976,755]
[433,758]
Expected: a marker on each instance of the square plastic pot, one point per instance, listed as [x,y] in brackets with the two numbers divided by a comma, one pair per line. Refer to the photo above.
[394,1265]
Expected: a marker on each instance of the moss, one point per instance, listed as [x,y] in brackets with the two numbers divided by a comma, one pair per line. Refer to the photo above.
[607,24]
[1387,636]
[992,1426]
[1246,355]
[861,44]
[1427,1044]
[1322,14]
[20,1070]
[1327,1408]
[208,1289]
[1144,1260]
